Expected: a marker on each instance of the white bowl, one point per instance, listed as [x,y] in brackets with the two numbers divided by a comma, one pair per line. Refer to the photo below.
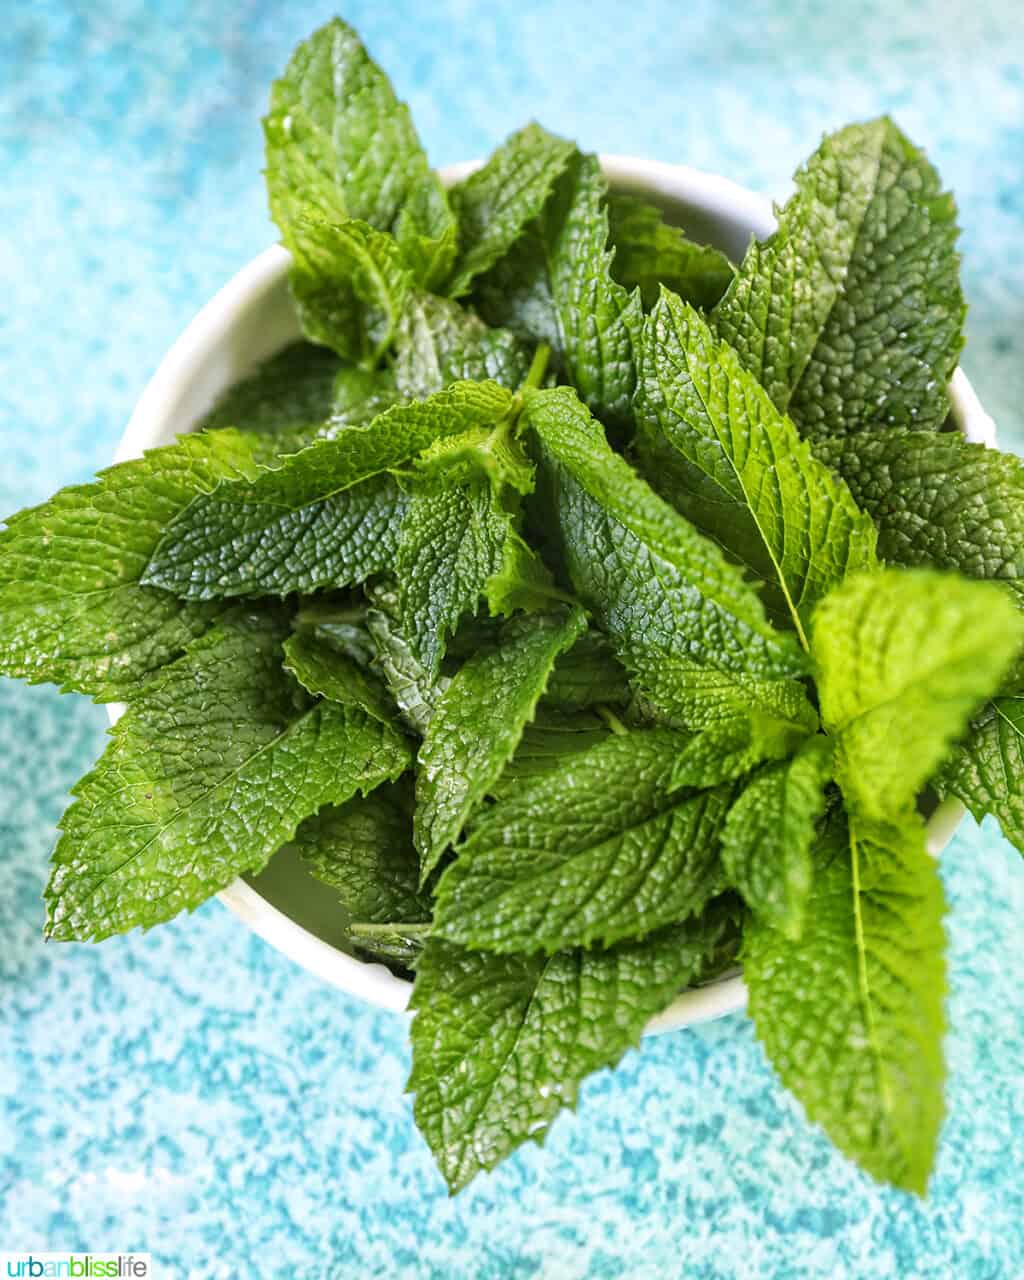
[250,319]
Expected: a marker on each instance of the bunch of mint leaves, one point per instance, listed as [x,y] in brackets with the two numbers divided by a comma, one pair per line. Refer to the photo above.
[590,614]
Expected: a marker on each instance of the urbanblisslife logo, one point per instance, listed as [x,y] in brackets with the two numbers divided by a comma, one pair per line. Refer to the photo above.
[77,1266]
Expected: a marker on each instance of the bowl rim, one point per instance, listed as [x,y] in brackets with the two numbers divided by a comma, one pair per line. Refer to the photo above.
[720,198]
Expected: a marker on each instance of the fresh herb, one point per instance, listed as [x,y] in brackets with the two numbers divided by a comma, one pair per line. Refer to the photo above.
[586,612]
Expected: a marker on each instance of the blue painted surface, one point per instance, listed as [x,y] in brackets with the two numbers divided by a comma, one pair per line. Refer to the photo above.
[191,1092]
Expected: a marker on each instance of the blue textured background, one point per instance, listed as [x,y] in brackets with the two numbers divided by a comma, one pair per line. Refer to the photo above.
[191,1092]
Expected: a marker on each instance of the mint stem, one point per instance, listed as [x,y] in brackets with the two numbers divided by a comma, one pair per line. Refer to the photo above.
[538,367]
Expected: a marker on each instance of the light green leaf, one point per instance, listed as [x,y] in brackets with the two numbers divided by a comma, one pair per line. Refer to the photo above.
[363,851]
[684,622]
[650,253]
[440,342]
[478,722]
[905,657]
[724,752]
[986,770]
[325,671]
[209,771]
[72,610]
[850,315]
[350,285]
[718,449]
[769,834]
[460,539]
[326,517]
[340,145]
[495,203]
[599,850]
[500,1044]
[555,285]
[851,1014]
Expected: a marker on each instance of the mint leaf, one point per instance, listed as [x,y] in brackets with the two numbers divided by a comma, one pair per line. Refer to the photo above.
[71,607]
[650,253]
[414,690]
[986,770]
[555,284]
[459,539]
[326,672]
[326,517]
[851,1014]
[723,752]
[589,673]
[683,621]
[938,500]
[495,203]
[363,851]
[292,392]
[350,285]
[906,657]
[850,315]
[358,396]
[209,771]
[340,145]
[478,722]
[501,1043]
[769,833]
[735,466]
[551,737]
[440,342]
[594,852]
[396,945]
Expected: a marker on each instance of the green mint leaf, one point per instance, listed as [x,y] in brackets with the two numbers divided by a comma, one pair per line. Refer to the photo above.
[478,722]
[986,770]
[414,690]
[906,657]
[735,466]
[358,396]
[440,342]
[72,610]
[459,538]
[326,517]
[454,541]
[723,752]
[938,500]
[851,1014]
[494,204]
[588,674]
[291,393]
[350,285]
[850,315]
[397,945]
[599,850]
[500,1044]
[650,253]
[209,771]
[551,737]
[340,145]
[768,836]
[556,285]
[683,621]
[363,851]
[326,672]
